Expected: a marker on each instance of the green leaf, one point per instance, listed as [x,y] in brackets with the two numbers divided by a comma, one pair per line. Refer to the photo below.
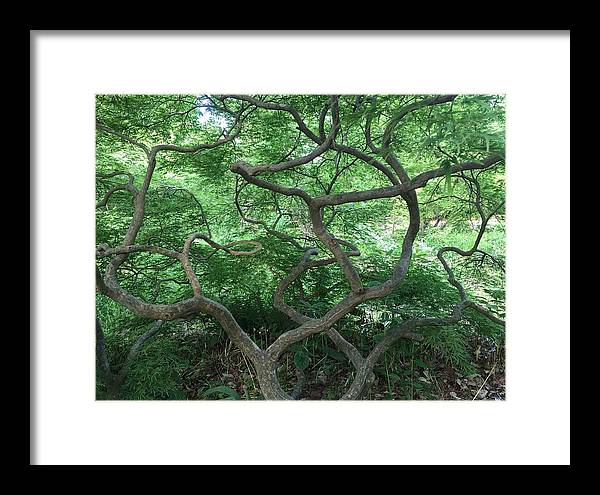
[301,360]
[447,168]
[380,371]
[222,391]
[335,354]
[385,317]
[393,377]
[177,395]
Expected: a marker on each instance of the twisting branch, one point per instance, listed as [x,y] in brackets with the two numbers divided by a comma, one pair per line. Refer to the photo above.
[100,126]
[279,107]
[115,380]
[102,250]
[101,352]
[416,182]
[185,255]
[138,344]
[128,186]
[109,284]
[269,229]
[326,145]
[402,185]
[203,217]
[435,100]
[342,344]
[409,327]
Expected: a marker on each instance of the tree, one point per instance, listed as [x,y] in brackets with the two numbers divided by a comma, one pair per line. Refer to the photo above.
[308,148]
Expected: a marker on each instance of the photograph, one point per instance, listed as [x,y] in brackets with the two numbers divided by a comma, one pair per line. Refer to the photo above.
[300,247]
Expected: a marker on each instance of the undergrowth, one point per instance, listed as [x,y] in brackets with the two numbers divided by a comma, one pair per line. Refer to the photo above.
[193,359]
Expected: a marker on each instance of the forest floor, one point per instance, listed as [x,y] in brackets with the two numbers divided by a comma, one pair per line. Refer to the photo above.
[225,373]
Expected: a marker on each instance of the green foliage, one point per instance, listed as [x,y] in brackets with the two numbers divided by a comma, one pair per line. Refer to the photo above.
[301,360]
[222,392]
[449,343]
[195,193]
